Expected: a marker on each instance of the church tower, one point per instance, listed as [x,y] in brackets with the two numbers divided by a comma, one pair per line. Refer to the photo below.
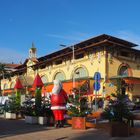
[32,51]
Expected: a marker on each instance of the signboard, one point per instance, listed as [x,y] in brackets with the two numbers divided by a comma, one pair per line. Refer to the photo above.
[97,76]
[96,86]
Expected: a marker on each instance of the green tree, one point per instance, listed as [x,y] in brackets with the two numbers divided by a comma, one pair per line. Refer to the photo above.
[3,71]
[38,100]
[118,109]
[78,105]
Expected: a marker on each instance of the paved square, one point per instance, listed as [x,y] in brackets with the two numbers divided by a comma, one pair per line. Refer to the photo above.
[19,130]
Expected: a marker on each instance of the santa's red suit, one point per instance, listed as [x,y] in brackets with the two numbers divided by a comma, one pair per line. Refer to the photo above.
[58,102]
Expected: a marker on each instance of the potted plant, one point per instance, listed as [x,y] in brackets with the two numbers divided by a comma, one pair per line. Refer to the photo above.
[12,108]
[118,114]
[78,110]
[34,108]
[28,109]
[44,112]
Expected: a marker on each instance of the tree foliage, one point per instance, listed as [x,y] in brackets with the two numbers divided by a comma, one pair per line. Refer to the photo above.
[38,100]
[78,106]
[117,110]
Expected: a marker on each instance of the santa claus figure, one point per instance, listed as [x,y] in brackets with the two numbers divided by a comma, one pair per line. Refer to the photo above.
[58,103]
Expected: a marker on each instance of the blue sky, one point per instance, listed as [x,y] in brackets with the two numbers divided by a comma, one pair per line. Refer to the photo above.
[49,23]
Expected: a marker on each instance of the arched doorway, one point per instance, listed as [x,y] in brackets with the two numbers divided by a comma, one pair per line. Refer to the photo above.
[124,70]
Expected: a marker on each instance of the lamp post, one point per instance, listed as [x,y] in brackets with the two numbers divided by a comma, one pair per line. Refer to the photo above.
[73,78]
[73,58]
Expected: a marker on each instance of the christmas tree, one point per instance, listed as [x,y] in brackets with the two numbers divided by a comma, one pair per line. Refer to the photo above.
[78,105]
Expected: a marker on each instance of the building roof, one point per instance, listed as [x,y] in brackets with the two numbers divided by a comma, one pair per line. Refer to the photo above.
[110,38]
[10,65]
[34,59]
[97,41]
[92,42]
[104,38]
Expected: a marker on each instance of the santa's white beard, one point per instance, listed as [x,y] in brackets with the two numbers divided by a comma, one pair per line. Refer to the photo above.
[56,89]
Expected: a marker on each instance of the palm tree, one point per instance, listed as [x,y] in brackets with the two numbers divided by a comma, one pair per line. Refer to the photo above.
[3,71]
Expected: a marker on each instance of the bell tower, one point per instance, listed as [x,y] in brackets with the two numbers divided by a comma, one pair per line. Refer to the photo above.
[32,51]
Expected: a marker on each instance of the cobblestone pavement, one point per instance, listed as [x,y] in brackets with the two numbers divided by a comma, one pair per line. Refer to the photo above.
[19,130]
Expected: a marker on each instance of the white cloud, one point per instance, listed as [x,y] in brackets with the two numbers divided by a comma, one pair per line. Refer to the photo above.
[73,36]
[130,36]
[9,55]
[61,36]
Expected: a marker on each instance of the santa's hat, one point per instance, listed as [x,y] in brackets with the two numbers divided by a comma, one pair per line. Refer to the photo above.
[57,86]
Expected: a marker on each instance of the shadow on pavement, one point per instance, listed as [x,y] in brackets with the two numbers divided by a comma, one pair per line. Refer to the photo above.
[10,128]
[62,138]
[16,127]
[102,135]
[93,135]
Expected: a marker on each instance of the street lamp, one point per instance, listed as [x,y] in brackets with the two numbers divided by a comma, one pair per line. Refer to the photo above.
[73,58]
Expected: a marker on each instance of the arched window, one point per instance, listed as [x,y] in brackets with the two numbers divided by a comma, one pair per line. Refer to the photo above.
[60,76]
[12,85]
[5,86]
[44,79]
[80,73]
[123,71]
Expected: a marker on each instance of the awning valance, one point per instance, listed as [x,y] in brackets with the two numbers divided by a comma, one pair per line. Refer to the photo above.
[127,79]
[132,81]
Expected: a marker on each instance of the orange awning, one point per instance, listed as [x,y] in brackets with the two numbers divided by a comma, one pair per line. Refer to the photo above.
[67,86]
[132,81]
[9,91]
[127,79]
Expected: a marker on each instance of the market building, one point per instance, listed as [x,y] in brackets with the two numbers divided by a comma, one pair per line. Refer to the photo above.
[76,65]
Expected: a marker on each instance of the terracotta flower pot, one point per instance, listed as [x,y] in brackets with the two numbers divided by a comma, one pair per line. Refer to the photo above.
[78,123]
